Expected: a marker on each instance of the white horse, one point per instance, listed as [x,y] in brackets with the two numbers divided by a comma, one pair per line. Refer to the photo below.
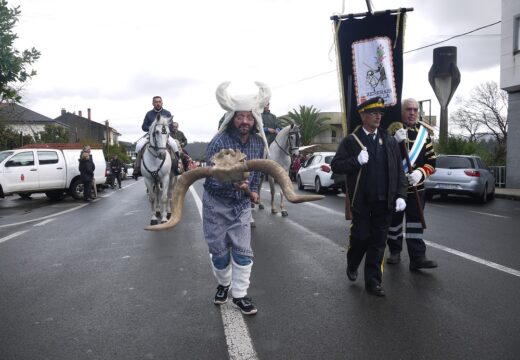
[285,144]
[156,166]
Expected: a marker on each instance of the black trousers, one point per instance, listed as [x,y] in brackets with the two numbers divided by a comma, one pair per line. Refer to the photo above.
[368,232]
[87,189]
[414,231]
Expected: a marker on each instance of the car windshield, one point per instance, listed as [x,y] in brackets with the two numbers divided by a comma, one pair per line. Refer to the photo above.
[328,159]
[4,154]
[454,162]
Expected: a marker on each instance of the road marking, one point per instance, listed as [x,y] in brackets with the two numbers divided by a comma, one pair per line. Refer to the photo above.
[488,214]
[45,222]
[444,248]
[474,258]
[45,217]
[240,345]
[13,235]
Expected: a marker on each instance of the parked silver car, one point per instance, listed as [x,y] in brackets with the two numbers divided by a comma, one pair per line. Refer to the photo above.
[461,175]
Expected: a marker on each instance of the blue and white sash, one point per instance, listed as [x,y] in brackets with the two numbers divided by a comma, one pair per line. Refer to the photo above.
[420,140]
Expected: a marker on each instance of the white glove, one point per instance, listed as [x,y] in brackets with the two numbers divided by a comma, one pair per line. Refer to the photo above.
[414,177]
[362,158]
[400,204]
[400,135]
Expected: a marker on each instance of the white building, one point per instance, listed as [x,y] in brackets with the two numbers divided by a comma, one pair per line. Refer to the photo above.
[510,82]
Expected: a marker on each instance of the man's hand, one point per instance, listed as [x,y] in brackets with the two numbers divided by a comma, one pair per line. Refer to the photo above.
[414,177]
[400,204]
[255,198]
[272,131]
[363,157]
[400,135]
[242,185]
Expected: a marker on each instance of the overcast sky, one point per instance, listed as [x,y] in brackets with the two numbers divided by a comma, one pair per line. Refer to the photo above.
[113,56]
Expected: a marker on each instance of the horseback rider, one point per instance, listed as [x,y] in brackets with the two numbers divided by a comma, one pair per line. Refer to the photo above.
[149,118]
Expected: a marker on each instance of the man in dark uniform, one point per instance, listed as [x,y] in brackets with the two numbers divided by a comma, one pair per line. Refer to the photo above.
[377,185]
[272,125]
[422,157]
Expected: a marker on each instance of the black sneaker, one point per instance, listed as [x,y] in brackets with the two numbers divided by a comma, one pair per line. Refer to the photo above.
[221,297]
[245,304]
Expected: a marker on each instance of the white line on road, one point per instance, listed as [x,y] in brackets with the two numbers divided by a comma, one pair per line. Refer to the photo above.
[13,235]
[45,222]
[45,217]
[474,258]
[240,345]
[488,214]
[447,249]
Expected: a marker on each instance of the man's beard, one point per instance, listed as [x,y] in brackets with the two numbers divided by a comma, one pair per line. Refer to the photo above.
[244,129]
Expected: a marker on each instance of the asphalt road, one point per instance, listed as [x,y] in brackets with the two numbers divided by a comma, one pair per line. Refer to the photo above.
[85,281]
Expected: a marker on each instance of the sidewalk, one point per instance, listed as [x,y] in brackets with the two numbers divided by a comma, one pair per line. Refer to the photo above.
[506,193]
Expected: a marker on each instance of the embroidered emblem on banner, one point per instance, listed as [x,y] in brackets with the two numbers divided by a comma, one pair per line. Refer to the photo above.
[420,140]
[373,64]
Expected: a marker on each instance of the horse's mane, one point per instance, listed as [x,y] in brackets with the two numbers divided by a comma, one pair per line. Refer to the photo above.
[284,132]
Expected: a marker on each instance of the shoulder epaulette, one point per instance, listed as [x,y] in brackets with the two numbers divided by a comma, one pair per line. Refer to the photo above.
[430,129]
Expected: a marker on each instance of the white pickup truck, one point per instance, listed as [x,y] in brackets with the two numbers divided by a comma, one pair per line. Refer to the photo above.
[53,171]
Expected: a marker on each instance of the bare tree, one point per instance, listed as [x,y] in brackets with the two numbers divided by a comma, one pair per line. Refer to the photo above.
[484,113]
[486,110]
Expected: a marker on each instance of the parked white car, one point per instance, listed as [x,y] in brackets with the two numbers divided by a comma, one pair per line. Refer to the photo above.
[316,172]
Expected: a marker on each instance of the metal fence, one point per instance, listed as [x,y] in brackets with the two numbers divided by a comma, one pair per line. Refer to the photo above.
[499,172]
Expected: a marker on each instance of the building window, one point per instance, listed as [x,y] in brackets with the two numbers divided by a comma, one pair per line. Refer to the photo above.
[333,136]
[516,35]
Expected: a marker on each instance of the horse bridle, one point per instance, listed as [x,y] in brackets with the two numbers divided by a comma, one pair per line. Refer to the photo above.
[294,131]
[155,173]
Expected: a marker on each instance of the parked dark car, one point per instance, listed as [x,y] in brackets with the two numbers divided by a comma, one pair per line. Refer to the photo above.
[461,175]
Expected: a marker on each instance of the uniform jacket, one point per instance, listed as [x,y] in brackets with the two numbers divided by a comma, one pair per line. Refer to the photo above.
[345,162]
[425,162]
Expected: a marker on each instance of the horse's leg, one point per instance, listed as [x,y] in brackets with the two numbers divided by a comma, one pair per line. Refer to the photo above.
[163,191]
[151,199]
[260,205]
[273,192]
[171,184]
[282,207]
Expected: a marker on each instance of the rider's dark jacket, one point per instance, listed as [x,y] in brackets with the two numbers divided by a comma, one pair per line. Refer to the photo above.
[152,115]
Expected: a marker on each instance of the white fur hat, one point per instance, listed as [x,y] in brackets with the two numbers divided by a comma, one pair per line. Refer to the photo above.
[253,103]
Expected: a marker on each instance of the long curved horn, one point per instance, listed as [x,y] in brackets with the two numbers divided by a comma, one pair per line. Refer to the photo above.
[182,185]
[235,172]
[274,169]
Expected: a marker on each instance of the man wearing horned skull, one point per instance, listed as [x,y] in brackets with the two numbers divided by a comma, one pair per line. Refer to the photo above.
[227,206]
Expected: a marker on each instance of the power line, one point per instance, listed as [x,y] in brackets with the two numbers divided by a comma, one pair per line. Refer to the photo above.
[405,52]
[453,37]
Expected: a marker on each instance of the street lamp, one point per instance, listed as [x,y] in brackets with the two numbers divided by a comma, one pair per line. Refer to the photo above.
[444,77]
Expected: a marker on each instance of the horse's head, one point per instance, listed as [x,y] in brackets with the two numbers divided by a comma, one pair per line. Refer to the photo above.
[293,139]
[159,132]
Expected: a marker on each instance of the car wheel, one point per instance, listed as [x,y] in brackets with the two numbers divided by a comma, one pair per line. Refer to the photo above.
[482,198]
[317,186]
[299,181]
[76,189]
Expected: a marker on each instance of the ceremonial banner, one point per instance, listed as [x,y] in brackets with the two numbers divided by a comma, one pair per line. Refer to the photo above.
[371,62]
